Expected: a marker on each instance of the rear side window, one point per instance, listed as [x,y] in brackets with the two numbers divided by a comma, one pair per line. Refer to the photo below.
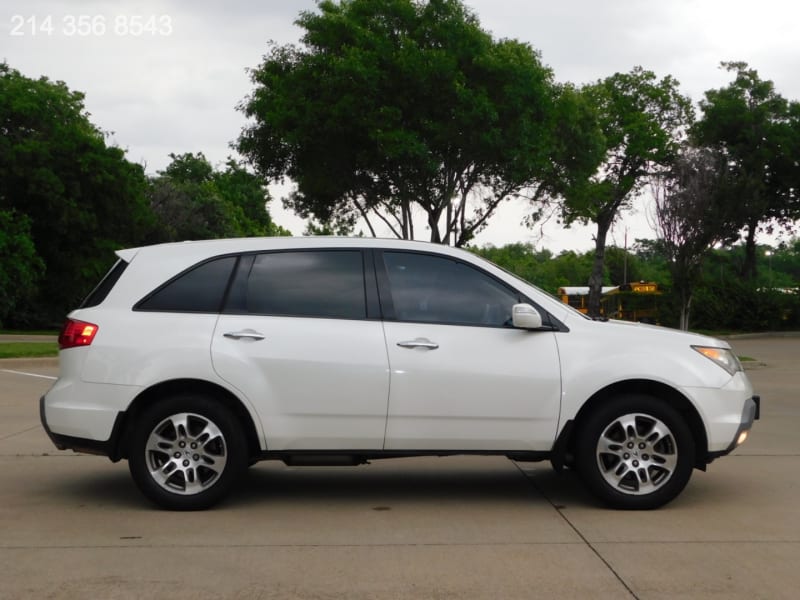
[106,284]
[326,283]
[200,289]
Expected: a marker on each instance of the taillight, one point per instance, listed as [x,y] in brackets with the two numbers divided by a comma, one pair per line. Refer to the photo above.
[76,333]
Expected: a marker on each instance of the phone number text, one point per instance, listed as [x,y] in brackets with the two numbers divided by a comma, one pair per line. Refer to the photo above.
[91,25]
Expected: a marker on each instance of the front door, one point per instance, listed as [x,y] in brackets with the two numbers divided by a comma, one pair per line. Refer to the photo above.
[461,377]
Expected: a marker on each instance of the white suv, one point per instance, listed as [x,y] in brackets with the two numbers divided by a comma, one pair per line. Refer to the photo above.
[194,360]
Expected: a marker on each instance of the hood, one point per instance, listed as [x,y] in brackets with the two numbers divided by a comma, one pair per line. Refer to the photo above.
[644,330]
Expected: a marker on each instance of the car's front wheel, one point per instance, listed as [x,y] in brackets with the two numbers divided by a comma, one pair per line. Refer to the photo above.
[635,452]
[186,452]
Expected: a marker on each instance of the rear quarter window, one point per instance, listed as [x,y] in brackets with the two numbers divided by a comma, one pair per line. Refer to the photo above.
[107,283]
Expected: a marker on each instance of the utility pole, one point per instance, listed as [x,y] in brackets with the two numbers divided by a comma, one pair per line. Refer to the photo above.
[625,259]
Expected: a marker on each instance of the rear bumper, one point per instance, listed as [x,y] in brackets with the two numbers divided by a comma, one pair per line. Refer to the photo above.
[109,447]
[750,414]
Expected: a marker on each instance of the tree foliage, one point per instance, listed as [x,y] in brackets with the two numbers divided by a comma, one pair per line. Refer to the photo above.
[79,197]
[642,120]
[721,299]
[394,108]
[68,200]
[20,266]
[540,267]
[758,131]
[192,200]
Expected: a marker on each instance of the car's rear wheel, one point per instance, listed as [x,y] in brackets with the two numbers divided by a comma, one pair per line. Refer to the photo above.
[186,452]
[635,452]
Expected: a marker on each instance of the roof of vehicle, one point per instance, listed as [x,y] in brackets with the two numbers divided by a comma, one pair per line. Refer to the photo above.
[201,248]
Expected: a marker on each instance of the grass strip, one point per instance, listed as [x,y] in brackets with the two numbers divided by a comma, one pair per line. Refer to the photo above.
[28,349]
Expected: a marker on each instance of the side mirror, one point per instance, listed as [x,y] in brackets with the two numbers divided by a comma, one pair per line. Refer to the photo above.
[524,316]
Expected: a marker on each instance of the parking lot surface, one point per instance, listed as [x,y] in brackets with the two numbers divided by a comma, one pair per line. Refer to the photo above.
[74,526]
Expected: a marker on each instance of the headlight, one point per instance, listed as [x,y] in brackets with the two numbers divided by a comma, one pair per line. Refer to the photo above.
[722,356]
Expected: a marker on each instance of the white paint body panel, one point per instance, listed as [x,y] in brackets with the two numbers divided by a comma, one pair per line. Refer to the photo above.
[483,388]
[317,384]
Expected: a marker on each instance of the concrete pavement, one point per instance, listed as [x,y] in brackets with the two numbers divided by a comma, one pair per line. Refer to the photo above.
[74,526]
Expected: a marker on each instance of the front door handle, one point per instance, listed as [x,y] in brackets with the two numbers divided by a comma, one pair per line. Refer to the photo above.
[419,343]
[247,334]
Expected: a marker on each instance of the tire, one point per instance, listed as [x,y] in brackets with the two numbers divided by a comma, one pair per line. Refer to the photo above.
[187,452]
[635,452]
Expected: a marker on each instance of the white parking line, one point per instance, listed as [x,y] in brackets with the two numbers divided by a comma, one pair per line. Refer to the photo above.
[28,374]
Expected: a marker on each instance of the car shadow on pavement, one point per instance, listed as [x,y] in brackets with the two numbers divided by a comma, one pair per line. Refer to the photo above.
[378,483]
[383,484]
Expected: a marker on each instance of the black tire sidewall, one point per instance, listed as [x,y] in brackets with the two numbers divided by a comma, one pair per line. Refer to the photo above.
[597,421]
[208,408]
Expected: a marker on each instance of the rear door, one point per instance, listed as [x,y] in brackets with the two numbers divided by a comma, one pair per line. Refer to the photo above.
[300,337]
[462,377]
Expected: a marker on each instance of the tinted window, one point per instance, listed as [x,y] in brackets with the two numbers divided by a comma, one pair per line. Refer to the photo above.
[307,284]
[439,290]
[201,289]
[99,293]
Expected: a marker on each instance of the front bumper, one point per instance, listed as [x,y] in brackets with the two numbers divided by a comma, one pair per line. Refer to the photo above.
[750,414]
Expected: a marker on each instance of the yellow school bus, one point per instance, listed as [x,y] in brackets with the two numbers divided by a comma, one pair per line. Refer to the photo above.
[636,301]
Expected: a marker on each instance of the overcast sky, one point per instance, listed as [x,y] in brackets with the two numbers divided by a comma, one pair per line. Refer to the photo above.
[176,90]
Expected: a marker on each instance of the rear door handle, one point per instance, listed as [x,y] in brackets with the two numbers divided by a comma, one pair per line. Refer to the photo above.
[419,343]
[247,334]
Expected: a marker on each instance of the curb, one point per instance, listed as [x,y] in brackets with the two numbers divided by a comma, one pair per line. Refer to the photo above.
[762,334]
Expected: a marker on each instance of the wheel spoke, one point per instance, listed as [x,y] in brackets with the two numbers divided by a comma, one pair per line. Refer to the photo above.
[158,443]
[665,462]
[607,445]
[211,438]
[657,433]
[181,424]
[644,479]
[628,424]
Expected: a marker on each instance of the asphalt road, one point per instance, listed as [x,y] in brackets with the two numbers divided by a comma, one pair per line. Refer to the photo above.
[74,526]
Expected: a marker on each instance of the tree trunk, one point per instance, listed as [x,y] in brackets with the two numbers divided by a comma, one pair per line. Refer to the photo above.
[686,301]
[598,267]
[448,220]
[434,216]
[405,220]
[749,268]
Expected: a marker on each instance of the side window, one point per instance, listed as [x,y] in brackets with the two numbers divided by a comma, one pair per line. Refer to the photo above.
[440,290]
[323,283]
[200,289]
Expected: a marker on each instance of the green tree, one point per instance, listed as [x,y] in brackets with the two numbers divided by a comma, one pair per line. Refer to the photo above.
[652,262]
[81,198]
[540,267]
[642,120]
[571,268]
[622,266]
[192,200]
[398,107]
[518,258]
[758,132]
[20,266]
